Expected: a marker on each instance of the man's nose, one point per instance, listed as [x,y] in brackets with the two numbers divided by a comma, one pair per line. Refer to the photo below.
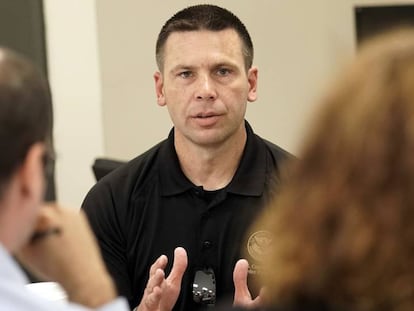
[206,88]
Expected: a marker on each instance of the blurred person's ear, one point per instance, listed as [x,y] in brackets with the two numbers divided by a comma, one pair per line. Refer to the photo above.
[31,173]
[23,197]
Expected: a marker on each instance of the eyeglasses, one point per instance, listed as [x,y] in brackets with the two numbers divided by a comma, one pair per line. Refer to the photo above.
[204,287]
[48,160]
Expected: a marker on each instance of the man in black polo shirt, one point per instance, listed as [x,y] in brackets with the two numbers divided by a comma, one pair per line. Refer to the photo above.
[201,187]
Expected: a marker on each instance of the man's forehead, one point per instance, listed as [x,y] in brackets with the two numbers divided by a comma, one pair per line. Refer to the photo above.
[227,32]
[184,44]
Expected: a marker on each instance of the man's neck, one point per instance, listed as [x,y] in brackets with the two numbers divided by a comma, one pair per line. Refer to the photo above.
[210,167]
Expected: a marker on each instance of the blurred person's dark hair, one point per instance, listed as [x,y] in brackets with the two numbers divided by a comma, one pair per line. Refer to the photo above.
[25,113]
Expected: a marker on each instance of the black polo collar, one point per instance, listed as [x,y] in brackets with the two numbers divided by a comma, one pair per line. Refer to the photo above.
[249,179]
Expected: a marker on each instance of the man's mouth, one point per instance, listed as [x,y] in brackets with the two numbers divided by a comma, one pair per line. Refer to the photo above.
[205,116]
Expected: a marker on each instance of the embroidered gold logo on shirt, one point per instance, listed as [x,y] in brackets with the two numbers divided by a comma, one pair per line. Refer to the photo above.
[258,244]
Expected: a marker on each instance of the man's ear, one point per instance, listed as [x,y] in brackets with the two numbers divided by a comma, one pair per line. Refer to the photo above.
[252,76]
[159,88]
[31,173]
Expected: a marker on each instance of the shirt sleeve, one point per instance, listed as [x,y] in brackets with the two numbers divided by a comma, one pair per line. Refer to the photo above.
[119,304]
[101,206]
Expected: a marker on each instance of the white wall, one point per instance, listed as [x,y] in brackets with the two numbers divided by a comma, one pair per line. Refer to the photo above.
[299,45]
[292,52]
[101,58]
[73,62]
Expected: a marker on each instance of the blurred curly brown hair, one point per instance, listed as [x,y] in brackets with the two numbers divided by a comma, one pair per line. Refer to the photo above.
[343,225]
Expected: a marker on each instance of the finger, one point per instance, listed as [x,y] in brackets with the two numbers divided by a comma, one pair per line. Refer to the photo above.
[153,290]
[50,217]
[160,263]
[45,218]
[259,300]
[240,275]
[155,280]
[52,205]
[40,235]
[179,266]
[241,291]
[48,223]
[152,301]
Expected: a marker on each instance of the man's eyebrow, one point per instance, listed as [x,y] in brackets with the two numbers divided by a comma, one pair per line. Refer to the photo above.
[224,64]
[214,66]
[182,67]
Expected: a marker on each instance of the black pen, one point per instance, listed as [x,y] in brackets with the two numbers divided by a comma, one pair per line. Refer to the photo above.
[45,233]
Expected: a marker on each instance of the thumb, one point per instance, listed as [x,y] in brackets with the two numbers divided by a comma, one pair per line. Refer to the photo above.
[179,265]
[241,291]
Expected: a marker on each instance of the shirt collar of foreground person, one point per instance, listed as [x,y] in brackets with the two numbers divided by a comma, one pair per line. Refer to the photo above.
[15,296]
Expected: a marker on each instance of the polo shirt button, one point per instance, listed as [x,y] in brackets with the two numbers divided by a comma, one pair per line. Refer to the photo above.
[207,244]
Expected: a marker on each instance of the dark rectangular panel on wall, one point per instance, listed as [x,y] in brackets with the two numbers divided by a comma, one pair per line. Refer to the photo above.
[372,20]
[22,29]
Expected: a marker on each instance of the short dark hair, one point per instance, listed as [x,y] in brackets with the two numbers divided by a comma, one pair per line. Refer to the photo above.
[25,111]
[204,17]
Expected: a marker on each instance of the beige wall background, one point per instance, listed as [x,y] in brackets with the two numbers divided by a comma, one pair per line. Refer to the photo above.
[101,62]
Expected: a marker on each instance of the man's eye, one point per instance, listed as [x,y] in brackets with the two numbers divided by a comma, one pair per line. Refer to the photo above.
[185,74]
[223,71]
